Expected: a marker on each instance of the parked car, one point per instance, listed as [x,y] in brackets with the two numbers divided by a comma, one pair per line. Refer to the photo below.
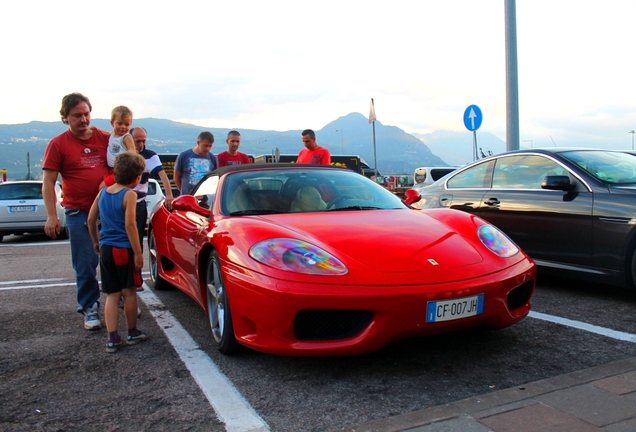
[570,209]
[426,176]
[296,259]
[154,196]
[22,208]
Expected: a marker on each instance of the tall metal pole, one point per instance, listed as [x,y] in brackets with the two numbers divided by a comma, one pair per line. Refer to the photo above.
[632,132]
[28,166]
[512,79]
[372,119]
[375,157]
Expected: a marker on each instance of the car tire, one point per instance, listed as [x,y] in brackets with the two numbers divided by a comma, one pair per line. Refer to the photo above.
[218,307]
[153,262]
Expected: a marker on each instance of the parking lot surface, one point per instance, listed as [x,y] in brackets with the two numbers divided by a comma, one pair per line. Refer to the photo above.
[57,376]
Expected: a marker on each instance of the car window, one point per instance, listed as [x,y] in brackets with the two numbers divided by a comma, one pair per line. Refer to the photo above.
[438,173]
[608,166]
[524,171]
[283,191]
[477,176]
[206,192]
[20,191]
[152,188]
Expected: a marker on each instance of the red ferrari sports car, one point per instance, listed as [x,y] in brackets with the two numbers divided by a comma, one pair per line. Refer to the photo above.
[295,259]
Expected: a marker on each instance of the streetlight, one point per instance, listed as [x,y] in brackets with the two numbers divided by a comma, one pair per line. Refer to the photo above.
[632,132]
[341,140]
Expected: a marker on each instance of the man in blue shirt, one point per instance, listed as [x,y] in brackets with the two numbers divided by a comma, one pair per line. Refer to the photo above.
[193,164]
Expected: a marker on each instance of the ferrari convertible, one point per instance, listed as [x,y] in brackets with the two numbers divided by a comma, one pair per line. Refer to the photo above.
[295,259]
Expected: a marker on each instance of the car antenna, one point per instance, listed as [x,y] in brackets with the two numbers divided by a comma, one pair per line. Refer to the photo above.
[553,143]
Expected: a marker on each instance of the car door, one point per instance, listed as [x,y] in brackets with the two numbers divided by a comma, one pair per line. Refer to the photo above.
[185,229]
[465,190]
[549,225]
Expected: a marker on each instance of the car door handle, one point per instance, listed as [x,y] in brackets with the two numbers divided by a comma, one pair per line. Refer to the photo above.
[445,200]
[492,202]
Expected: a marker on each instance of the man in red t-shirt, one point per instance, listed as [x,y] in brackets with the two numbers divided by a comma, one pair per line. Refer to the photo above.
[313,153]
[79,157]
[232,156]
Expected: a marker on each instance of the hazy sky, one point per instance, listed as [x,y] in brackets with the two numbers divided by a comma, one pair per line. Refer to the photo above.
[284,65]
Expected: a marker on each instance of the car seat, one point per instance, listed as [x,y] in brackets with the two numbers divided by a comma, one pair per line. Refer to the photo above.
[239,200]
[308,199]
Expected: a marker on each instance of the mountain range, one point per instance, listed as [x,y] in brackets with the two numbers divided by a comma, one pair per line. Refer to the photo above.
[396,151]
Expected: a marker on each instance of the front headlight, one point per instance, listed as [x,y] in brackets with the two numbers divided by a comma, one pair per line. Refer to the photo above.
[496,241]
[296,256]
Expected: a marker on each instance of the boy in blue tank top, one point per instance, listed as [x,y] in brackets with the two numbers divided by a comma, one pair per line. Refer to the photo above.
[117,242]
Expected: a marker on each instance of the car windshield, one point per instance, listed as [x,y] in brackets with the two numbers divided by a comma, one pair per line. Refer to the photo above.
[269,191]
[607,166]
[20,191]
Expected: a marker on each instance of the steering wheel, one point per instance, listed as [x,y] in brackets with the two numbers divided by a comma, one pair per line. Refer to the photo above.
[338,200]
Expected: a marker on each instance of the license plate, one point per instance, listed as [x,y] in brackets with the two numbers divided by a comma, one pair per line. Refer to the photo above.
[18,209]
[447,310]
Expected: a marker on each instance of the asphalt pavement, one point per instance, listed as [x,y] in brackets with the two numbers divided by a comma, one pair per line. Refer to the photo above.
[56,376]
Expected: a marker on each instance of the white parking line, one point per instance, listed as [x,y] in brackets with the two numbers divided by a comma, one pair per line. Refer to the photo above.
[38,244]
[31,281]
[628,337]
[229,405]
[37,286]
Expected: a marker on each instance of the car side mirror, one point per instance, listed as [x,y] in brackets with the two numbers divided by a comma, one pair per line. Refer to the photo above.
[557,182]
[411,196]
[189,203]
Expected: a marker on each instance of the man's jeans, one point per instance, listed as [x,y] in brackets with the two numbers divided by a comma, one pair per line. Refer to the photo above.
[142,216]
[84,259]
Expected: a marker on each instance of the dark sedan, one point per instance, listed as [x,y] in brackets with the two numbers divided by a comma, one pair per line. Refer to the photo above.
[569,209]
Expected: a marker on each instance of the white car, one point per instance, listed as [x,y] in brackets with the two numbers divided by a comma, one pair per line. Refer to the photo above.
[22,208]
[426,176]
[154,195]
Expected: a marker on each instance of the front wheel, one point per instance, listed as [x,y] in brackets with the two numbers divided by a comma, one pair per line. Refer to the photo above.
[218,304]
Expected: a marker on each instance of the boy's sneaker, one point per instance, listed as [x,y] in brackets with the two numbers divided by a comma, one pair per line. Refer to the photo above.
[133,340]
[113,346]
[91,317]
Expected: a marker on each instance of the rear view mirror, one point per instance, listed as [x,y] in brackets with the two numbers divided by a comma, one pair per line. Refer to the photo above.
[411,196]
[189,203]
[557,182]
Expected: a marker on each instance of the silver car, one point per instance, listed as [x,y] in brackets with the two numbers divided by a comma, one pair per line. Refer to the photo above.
[154,196]
[22,208]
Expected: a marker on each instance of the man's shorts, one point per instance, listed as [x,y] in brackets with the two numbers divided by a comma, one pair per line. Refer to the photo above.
[117,268]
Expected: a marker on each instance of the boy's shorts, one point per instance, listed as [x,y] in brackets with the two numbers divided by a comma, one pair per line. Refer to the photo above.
[117,268]
[109,179]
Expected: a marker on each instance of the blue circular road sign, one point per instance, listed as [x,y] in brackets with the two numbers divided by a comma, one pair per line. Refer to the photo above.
[472,118]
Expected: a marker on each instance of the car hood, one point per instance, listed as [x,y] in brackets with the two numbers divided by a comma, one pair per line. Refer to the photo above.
[389,241]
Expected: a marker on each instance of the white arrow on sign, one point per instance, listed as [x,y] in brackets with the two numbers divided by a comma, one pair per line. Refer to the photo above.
[472,116]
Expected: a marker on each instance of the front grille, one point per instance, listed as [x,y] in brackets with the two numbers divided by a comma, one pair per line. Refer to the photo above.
[327,324]
[520,295]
